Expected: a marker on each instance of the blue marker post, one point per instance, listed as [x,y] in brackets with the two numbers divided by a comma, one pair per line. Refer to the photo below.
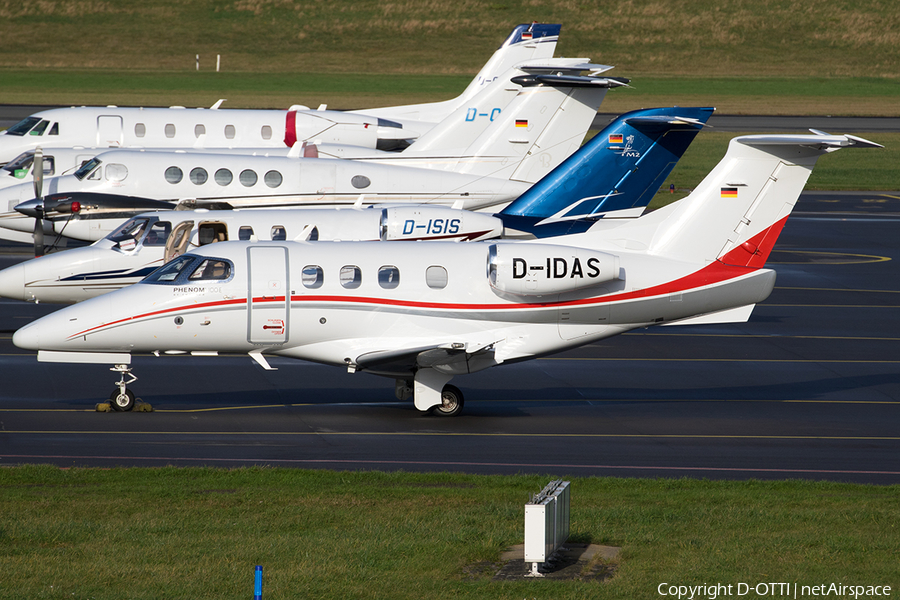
[257,584]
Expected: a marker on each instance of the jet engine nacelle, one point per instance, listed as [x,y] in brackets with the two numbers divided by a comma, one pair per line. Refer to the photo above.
[336,127]
[527,269]
[437,223]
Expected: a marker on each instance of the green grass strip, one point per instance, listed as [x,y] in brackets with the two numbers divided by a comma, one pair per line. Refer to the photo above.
[198,533]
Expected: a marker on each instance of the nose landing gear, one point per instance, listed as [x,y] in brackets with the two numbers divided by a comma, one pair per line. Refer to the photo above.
[122,399]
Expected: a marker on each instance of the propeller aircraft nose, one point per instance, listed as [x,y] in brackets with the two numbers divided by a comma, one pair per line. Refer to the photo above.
[32,208]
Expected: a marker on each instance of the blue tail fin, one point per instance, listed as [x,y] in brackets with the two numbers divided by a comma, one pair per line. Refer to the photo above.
[615,174]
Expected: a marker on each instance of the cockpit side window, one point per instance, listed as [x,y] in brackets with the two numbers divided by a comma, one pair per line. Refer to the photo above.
[158,234]
[40,128]
[211,269]
[23,126]
[87,168]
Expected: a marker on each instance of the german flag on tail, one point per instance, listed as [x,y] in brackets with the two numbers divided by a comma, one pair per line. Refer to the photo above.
[729,192]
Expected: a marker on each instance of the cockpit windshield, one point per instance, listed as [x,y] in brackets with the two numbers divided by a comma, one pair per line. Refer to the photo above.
[191,269]
[170,271]
[132,229]
[86,168]
[20,164]
[23,126]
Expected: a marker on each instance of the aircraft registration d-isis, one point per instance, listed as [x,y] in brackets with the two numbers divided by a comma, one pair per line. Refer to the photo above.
[424,313]
[626,164]
[177,127]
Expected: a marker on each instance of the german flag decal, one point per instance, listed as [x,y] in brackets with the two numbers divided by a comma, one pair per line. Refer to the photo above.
[616,138]
[521,122]
[729,192]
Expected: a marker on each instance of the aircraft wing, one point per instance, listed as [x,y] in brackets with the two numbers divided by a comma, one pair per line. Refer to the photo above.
[452,358]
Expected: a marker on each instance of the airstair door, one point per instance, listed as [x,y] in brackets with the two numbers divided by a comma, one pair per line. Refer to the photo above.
[269,300]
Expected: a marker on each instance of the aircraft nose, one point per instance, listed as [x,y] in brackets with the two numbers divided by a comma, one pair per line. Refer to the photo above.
[28,337]
[12,282]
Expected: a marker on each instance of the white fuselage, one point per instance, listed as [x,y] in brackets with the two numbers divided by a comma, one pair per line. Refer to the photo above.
[347,303]
[147,241]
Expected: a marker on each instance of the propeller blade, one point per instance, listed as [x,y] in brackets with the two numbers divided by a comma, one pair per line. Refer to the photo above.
[37,172]
[38,237]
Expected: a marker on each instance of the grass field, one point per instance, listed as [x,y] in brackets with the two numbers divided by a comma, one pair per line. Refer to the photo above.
[198,533]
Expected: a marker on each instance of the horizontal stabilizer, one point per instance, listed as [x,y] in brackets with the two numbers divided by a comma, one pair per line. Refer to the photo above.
[573,81]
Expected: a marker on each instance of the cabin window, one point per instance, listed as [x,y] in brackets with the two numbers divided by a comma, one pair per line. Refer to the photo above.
[23,126]
[389,277]
[49,165]
[248,178]
[199,129]
[210,233]
[360,182]
[266,132]
[229,132]
[140,130]
[40,128]
[116,172]
[278,233]
[436,277]
[174,175]
[273,179]
[211,269]
[158,234]
[224,177]
[312,276]
[245,233]
[199,176]
[351,277]
[170,130]
[54,130]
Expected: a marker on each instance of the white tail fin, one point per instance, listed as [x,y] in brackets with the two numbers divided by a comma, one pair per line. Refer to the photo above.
[544,124]
[526,42]
[736,213]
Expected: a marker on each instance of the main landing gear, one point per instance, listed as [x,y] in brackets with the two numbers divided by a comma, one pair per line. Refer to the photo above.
[451,402]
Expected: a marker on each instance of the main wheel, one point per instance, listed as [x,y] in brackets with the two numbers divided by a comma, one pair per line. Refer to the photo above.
[121,401]
[451,402]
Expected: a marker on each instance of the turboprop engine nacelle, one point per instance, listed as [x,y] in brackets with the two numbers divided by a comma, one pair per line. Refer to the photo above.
[539,269]
[437,223]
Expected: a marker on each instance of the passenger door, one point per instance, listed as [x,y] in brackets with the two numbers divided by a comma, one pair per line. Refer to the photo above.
[269,301]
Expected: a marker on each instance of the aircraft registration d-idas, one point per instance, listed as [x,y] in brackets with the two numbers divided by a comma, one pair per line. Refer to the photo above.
[423,313]
[481,162]
[614,175]
[177,127]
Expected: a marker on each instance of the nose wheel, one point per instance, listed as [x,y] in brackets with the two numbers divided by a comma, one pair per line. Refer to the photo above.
[122,399]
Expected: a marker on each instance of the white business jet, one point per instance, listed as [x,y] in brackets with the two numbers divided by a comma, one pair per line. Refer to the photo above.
[177,127]
[424,313]
[626,164]
[499,158]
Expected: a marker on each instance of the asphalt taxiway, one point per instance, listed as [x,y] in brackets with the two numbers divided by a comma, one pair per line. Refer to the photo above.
[808,388]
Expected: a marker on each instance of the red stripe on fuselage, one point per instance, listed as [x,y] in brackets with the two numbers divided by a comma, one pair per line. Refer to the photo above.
[712,273]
